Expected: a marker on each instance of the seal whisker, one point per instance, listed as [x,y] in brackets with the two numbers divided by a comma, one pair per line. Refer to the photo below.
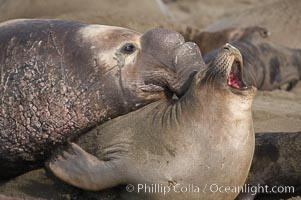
[211,71]
[213,85]
[209,79]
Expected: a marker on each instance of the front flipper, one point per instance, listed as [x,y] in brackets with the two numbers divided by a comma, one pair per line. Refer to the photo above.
[84,170]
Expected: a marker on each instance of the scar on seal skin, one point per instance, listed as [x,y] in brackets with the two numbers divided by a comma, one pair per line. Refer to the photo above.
[59,79]
[206,136]
[268,65]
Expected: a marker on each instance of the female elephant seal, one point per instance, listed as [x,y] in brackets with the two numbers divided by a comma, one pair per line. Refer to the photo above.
[205,138]
[60,78]
[268,66]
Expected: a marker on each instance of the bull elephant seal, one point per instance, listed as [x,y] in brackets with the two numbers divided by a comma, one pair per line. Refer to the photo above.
[268,66]
[60,78]
[204,138]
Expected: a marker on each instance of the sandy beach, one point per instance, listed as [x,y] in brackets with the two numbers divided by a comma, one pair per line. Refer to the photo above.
[277,110]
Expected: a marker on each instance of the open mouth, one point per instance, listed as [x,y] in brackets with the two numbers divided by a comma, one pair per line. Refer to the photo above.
[235,77]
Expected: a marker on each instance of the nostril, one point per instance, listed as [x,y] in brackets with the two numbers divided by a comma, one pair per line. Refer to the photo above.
[227,46]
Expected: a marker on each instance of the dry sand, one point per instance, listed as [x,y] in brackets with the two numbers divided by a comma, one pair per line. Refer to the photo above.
[272,111]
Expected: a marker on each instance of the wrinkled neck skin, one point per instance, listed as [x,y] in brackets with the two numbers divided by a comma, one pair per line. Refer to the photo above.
[215,103]
[205,135]
[209,107]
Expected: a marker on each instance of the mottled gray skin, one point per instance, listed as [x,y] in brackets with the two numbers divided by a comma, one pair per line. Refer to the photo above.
[59,79]
[205,137]
[276,162]
[268,66]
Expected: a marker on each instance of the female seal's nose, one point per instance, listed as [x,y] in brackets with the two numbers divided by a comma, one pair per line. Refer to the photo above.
[231,49]
[227,46]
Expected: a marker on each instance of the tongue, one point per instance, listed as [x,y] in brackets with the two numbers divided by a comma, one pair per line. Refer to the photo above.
[233,81]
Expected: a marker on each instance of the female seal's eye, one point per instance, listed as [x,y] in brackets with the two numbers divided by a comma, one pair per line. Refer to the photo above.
[128,48]
[265,33]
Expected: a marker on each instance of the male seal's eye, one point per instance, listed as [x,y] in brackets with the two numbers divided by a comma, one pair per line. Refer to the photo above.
[128,48]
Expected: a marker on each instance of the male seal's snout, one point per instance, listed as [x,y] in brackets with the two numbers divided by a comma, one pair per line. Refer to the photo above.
[162,39]
[165,41]
[170,45]
[183,58]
